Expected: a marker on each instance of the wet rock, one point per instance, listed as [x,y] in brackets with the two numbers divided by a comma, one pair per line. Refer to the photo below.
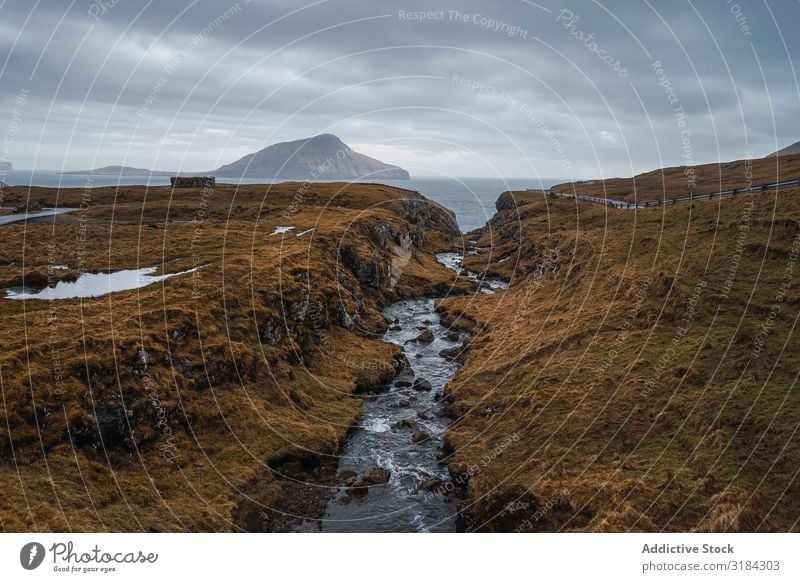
[406,423]
[430,484]
[402,383]
[442,396]
[422,385]
[357,490]
[446,411]
[423,415]
[402,365]
[451,353]
[426,336]
[395,328]
[347,477]
[453,336]
[420,436]
[375,476]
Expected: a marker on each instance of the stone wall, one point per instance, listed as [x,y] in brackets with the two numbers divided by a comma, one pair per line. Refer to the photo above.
[192,181]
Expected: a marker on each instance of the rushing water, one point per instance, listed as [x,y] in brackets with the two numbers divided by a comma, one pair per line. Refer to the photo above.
[401,432]
[486,285]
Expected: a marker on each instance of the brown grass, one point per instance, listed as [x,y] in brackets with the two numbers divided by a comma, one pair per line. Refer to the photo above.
[679,181]
[585,404]
[252,359]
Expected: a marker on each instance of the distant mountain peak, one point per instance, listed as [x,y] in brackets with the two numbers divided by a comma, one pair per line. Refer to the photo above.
[791,150]
[322,157]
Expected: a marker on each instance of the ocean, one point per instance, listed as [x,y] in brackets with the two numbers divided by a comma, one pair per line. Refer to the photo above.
[472,199]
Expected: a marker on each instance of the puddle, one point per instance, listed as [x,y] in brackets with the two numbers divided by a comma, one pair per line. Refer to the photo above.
[44,213]
[96,284]
[281,230]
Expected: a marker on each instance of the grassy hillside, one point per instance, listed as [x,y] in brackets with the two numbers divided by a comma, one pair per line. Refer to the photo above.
[640,373]
[179,405]
[679,181]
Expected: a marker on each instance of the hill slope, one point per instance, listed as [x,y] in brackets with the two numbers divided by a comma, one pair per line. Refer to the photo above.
[324,157]
[678,181]
[640,371]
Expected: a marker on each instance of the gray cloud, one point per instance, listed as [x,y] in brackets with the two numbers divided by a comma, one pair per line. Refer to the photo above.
[195,84]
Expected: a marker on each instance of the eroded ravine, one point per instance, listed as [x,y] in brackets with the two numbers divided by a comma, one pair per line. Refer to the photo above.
[390,476]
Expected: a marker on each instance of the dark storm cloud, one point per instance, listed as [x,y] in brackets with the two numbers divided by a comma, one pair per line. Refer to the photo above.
[467,87]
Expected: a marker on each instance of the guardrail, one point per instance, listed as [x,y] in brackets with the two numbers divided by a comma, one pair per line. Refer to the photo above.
[612,203]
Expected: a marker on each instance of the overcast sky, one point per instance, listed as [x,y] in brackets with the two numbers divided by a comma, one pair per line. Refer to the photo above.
[478,88]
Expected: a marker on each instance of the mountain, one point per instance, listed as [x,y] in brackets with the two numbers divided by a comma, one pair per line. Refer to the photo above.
[323,157]
[787,151]
[121,171]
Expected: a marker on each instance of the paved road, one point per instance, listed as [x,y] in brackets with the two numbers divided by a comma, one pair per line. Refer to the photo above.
[11,218]
[610,202]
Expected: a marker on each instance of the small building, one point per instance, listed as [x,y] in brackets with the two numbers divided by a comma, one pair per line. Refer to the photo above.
[192,181]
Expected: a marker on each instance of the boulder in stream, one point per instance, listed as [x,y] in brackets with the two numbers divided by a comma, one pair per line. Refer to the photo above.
[451,353]
[430,484]
[419,436]
[426,336]
[375,476]
[357,490]
[406,423]
[347,477]
[422,385]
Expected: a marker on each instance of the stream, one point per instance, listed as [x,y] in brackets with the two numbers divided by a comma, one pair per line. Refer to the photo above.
[390,474]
